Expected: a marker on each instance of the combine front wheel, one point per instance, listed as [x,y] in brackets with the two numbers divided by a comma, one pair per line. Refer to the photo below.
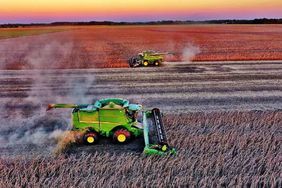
[145,63]
[91,138]
[121,136]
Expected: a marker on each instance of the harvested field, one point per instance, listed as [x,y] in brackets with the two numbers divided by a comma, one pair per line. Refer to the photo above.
[6,33]
[224,118]
[174,88]
[214,149]
[112,46]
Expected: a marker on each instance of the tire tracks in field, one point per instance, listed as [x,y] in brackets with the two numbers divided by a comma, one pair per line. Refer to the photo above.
[201,86]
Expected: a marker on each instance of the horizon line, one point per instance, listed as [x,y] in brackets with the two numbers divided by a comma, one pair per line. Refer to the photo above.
[137,22]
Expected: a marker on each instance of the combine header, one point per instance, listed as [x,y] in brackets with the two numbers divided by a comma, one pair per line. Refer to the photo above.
[117,119]
[147,58]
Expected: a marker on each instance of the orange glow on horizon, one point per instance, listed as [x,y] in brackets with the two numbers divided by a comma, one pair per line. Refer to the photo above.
[111,8]
[87,6]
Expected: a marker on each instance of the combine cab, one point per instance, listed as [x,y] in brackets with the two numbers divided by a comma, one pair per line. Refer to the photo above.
[147,58]
[117,119]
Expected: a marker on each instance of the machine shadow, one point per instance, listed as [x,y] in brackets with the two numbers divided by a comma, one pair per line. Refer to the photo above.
[106,145]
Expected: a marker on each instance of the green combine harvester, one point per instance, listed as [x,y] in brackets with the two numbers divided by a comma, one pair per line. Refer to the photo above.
[117,119]
[147,58]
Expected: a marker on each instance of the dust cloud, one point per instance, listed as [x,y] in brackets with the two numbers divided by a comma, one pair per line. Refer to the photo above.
[25,120]
[189,52]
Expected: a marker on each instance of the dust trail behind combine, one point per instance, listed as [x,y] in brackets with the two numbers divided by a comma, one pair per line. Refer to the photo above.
[25,125]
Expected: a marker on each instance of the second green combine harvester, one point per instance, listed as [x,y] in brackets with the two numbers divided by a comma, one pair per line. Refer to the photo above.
[117,119]
[147,58]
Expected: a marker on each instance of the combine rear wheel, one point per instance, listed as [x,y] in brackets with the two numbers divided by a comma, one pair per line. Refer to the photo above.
[90,138]
[121,136]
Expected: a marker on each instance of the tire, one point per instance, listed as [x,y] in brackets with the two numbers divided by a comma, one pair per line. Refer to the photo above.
[157,63]
[121,136]
[91,138]
[145,63]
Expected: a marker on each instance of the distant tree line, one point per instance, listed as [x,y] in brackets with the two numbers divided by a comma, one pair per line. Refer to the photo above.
[255,21]
[164,22]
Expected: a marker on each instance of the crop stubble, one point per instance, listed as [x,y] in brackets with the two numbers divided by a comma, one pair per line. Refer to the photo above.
[220,148]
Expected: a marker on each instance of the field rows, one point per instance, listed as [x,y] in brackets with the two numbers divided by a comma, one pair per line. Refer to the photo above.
[174,87]
[219,148]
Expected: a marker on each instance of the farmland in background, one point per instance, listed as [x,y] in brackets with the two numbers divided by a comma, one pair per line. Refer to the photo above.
[29,31]
[111,46]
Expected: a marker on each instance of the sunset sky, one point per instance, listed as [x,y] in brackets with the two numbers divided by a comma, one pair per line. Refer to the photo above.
[27,11]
